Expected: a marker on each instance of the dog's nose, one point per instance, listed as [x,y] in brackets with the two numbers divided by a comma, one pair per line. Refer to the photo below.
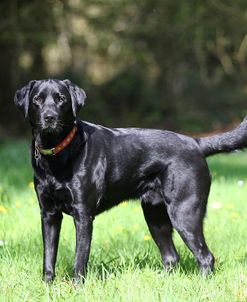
[49,118]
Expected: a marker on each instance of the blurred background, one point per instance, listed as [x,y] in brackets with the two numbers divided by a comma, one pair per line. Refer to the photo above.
[179,65]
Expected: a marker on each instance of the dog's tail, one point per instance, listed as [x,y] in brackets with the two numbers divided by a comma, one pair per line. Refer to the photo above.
[225,142]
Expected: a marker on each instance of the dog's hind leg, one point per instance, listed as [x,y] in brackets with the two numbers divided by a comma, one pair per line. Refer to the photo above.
[161,230]
[186,209]
[190,228]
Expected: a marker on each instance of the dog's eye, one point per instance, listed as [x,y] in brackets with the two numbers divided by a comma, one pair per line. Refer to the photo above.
[37,99]
[60,98]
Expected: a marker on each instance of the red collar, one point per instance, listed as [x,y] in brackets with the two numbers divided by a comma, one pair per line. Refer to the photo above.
[58,148]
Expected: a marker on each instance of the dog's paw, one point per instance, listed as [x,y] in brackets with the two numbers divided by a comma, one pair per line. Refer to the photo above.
[170,263]
[48,277]
[79,278]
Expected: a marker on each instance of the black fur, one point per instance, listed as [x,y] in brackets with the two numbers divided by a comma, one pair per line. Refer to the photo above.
[102,167]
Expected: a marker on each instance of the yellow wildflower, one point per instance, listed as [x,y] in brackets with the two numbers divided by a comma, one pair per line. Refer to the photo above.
[32,200]
[136,209]
[124,204]
[147,238]
[3,209]
[17,204]
[31,185]
[135,226]
[235,215]
[119,229]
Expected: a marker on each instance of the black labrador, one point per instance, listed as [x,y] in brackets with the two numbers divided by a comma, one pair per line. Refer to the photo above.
[83,169]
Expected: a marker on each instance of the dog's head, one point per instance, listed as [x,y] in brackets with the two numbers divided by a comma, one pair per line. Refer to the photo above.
[50,105]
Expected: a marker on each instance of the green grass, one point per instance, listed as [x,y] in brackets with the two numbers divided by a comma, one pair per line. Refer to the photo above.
[123,266]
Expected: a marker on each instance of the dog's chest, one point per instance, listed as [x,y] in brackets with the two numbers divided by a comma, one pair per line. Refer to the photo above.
[60,195]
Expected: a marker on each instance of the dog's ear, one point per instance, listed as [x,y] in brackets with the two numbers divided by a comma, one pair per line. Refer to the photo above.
[77,94]
[21,98]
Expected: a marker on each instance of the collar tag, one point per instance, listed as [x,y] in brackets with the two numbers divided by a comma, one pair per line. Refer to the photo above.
[36,154]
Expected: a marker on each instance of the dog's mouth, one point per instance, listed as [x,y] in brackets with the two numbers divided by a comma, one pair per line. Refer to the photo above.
[50,127]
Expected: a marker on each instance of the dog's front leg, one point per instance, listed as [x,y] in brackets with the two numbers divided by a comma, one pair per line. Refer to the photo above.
[51,225]
[84,227]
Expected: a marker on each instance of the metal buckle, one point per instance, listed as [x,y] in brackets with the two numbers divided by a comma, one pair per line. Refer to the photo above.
[36,152]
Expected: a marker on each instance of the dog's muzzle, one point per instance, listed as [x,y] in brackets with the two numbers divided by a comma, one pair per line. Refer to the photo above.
[49,121]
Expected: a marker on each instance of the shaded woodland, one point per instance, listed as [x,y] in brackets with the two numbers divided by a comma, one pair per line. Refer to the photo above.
[148,63]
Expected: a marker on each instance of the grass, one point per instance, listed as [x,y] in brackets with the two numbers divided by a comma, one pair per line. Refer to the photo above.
[124,262]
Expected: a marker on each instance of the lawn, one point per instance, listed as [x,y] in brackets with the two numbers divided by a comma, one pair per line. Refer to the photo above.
[124,262]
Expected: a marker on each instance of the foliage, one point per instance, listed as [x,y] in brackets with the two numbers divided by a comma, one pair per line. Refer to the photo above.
[142,63]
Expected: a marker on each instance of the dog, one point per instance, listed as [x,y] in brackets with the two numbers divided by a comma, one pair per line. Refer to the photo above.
[83,169]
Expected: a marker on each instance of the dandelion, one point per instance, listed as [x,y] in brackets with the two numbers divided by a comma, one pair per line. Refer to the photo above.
[124,204]
[3,209]
[235,215]
[31,185]
[135,226]
[32,200]
[147,238]
[17,204]
[119,229]
[136,209]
